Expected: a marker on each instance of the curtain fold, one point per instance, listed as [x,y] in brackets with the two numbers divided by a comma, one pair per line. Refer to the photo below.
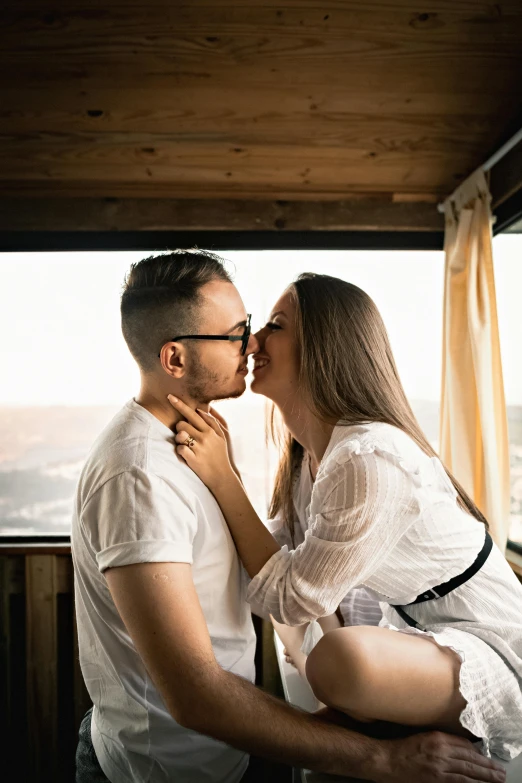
[474,441]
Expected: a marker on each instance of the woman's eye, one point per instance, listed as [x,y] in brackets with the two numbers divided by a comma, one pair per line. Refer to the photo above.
[272,325]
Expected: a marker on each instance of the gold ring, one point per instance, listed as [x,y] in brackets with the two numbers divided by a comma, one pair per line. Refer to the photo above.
[189,442]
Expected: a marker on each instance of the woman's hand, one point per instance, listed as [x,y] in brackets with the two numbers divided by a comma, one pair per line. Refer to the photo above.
[226,432]
[207,453]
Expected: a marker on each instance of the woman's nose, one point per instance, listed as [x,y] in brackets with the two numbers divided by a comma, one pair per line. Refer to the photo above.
[259,337]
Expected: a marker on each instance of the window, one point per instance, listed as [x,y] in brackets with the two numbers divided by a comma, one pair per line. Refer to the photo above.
[66,369]
[507,250]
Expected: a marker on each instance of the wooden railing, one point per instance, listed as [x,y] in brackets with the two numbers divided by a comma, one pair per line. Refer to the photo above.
[42,694]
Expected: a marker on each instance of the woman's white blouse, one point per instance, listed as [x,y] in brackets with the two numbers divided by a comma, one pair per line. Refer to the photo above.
[358,606]
[384,516]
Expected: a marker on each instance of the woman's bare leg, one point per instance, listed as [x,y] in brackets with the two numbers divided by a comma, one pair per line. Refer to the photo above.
[377,674]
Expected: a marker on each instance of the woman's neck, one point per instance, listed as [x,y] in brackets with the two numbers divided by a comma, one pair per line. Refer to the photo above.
[312,433]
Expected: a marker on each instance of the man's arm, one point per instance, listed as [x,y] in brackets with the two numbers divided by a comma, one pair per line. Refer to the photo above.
[160,608]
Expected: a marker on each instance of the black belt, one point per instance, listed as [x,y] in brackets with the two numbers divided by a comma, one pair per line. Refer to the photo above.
[441,590]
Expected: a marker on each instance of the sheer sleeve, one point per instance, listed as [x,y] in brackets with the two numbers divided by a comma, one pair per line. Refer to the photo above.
[280,531]
[362,503]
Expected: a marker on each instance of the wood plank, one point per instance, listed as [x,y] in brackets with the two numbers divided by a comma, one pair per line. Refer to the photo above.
[307,63]
[5,667]
[15,573]
[202,117]
[151,43]
[204,110]
[469,7]
[167,21]
[42,696]
[64,575]
[86,214]
[506,176]
[82,701]
[34,549]
[199,168]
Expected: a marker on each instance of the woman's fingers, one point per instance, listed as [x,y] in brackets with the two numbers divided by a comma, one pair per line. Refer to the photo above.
[219,418]
[191,416]
[189,429]
[187,454]
[182,437]
[212,422]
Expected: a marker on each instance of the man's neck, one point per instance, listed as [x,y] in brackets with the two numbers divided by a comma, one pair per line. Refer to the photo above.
[156,402]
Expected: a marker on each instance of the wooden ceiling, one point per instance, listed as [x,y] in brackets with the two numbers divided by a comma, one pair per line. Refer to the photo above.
[254,99]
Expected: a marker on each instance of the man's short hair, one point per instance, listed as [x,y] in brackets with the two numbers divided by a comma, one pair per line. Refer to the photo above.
[161,299]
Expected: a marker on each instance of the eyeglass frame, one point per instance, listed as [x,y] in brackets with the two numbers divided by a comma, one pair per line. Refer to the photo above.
[245,337]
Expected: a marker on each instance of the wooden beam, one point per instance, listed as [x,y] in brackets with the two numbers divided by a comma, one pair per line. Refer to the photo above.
[42,659]
[109,164]
[82,700]
[5,678]
[506,176]
[394,213]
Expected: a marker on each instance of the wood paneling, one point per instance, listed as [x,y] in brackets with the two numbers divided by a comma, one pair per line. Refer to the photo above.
[42,662]
[253,99]
[506,176]
[5,674]
[149,214]
[42,694]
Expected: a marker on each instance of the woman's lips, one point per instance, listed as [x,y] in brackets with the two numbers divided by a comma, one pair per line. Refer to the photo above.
[259,369]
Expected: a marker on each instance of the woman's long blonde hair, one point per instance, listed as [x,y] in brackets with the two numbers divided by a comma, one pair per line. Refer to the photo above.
[347,374]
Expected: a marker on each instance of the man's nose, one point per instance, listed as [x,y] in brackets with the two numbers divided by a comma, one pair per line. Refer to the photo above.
[253,344]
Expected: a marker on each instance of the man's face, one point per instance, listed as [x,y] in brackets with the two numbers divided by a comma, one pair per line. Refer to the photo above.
[216,370]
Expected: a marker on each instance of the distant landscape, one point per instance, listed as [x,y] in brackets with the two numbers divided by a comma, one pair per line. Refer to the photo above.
[42,450]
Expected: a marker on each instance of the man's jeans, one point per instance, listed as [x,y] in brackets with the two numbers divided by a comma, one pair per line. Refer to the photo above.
[88,769]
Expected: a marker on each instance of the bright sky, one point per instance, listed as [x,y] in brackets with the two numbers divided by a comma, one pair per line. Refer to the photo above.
[60,333]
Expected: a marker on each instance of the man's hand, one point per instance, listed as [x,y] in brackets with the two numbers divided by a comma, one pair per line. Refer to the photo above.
[435,757]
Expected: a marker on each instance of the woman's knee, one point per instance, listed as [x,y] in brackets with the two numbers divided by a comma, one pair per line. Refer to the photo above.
[339,667]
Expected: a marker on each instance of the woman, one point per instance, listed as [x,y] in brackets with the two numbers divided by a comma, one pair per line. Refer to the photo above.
[384,514]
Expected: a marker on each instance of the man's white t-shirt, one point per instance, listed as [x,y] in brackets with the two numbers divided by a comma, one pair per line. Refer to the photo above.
[138,502]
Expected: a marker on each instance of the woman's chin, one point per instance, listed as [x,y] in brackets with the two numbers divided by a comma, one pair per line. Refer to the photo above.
[256,386]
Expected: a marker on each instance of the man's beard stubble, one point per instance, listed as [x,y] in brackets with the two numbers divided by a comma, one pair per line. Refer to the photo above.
[206,386]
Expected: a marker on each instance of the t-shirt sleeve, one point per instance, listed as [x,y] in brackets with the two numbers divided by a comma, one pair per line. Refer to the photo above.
[139,517]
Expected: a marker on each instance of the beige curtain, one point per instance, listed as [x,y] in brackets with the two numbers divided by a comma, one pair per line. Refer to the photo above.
[473,433]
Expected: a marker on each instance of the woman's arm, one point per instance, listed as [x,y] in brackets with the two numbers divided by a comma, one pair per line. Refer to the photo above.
[208,458]
[254,542]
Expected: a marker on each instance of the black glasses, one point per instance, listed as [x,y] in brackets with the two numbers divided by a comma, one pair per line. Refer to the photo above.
[245,337]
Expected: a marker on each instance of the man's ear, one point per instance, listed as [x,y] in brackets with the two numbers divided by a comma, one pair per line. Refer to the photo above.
[173,359]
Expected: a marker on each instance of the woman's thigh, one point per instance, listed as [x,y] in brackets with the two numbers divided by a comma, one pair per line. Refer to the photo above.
[379,674]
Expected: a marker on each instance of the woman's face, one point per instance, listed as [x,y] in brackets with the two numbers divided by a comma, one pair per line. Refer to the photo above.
[275,363]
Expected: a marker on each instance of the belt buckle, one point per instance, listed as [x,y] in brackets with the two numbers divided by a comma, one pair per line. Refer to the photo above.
[429,594]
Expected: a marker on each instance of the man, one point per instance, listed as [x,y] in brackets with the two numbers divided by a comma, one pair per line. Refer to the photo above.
[165,635]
